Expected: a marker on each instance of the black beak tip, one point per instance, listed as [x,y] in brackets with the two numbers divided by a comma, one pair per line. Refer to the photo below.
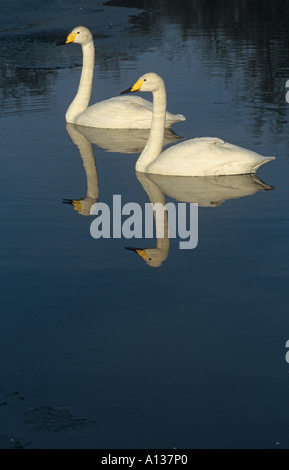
[131,248]
[128,90]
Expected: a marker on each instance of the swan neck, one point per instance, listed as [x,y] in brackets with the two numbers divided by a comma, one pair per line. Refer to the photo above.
[82,97]
[158,201]
[155,141]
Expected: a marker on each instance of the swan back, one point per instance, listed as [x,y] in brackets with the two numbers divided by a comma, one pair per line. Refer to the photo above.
[207,156]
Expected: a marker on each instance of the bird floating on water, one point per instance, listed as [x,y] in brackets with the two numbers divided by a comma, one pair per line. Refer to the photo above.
[203,156]
[121,112]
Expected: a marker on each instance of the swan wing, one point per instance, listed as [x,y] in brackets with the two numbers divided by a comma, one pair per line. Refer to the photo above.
[207,156]
[127,112]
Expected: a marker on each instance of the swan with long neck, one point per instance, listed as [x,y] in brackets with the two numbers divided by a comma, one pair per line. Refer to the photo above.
[121,112]
[205,156]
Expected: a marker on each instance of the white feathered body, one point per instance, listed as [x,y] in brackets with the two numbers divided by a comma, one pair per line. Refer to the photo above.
[125,112]
[121,112]
[206,156]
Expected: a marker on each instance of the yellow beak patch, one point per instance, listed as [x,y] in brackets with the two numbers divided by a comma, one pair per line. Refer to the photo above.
[77,205]
[70,38]
[137,85]
[143,254]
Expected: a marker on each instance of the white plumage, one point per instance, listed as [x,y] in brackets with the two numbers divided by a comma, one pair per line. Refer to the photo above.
[122,112]
[205,156]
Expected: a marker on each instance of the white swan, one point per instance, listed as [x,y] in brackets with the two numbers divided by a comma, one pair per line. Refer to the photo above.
[204,156]
[121,112]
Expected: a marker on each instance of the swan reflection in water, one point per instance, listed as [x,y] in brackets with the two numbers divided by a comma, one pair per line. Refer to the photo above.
[208,191]
[120,140]
[83,205]
[112,140]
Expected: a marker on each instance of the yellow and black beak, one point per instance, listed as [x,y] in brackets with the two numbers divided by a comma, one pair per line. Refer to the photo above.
[140,251]
[135,87]
[70,38]
[75,203]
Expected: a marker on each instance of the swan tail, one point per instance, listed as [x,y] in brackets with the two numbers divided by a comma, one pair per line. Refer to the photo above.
[262,162]
[178,117]
[173,118]
[267,159]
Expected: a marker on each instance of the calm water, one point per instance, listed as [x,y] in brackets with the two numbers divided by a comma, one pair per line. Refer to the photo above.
[99,349]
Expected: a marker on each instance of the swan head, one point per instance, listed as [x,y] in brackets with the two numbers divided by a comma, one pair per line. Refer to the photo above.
[80,35]
[148,82]
[152,256]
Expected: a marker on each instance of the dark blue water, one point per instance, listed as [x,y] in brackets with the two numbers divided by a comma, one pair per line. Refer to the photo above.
[99,349]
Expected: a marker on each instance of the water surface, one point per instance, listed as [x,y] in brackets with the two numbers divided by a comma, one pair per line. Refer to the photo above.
[99,349]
